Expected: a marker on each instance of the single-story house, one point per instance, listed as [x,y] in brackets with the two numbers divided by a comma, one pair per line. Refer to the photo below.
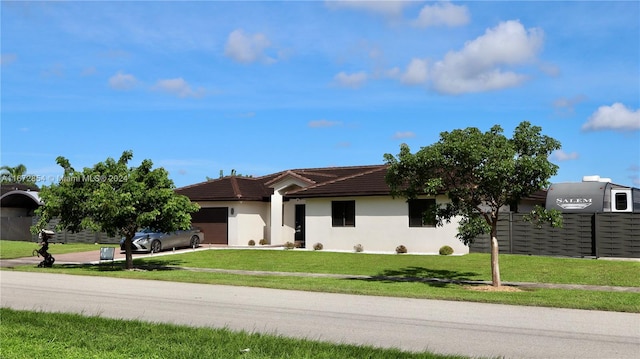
[339,207]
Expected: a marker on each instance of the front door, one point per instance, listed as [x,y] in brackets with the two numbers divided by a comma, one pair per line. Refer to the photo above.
[300,216]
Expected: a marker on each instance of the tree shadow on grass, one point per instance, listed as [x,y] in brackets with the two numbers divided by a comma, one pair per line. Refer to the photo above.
[432,277]
[118,266]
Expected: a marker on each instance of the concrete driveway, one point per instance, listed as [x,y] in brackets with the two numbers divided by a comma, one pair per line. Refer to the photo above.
[87,257]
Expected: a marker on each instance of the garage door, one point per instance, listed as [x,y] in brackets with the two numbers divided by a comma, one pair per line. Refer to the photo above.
[213,222]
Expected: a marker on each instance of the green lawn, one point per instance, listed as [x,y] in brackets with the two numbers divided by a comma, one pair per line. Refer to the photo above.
[28,335]
[515,268]
[391,275]
[18,249]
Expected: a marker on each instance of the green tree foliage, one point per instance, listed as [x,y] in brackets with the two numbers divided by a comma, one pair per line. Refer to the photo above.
[480,173]
[116,199]
[17,174]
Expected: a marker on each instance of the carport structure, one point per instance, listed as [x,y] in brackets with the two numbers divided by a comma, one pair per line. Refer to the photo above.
[18,203]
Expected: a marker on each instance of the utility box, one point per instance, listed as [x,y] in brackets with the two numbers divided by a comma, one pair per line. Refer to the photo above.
[107,253]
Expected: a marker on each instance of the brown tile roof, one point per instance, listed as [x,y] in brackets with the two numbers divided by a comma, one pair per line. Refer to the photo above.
[323,182]
[367,182]
[230,188]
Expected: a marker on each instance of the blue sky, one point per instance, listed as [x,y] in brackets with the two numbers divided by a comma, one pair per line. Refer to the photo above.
[261,87]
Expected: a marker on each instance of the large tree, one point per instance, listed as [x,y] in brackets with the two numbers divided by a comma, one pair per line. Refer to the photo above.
[480,173]
[114,198]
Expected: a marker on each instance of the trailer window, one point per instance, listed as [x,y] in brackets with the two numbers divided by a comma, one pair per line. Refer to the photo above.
[621,201]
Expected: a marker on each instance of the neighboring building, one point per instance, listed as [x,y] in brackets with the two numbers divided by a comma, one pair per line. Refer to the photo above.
[17,205]
[339,207]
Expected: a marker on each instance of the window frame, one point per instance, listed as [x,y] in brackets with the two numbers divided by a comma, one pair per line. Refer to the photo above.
[620,201]
[417,207]
[343,213]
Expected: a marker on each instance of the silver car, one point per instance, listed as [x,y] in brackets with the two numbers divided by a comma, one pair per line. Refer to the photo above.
[149,241]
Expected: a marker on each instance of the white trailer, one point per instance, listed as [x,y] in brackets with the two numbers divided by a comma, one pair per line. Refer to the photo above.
[593,195]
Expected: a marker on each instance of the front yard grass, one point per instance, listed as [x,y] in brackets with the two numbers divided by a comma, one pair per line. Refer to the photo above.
[476,266]
[392,275]
[27,335]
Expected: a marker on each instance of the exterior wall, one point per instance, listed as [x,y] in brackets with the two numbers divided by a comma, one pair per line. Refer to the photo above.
[381,224]
[248,221]
[275,221]
[282,226]
[288,223]
[288,227]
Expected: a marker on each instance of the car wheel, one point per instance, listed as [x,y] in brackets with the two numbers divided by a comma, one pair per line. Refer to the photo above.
[195,242]
[156,246]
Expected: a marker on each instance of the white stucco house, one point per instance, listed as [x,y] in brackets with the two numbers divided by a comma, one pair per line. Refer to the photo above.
[339,207]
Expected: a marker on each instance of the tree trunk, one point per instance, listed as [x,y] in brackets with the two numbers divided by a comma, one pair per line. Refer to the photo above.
[495,266]
[128,252]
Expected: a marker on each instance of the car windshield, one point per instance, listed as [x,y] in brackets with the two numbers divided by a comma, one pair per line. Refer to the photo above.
[146,230]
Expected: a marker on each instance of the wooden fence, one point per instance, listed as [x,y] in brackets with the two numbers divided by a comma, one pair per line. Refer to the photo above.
[582,235]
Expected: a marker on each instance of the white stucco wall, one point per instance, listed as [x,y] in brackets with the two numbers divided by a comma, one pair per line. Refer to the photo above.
[382,224]
[282,212]
[248,221]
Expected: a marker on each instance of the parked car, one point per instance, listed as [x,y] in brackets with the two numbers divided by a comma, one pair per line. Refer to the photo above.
[150,241]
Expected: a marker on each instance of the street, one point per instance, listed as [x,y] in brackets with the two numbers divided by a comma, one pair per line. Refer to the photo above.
[472,329]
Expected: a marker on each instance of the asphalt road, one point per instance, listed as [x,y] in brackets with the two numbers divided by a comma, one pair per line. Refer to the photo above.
[472,329]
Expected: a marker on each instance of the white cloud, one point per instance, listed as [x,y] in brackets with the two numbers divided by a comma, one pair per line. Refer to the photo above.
[324,123]
[567,105]
[122,81]
[8,59]
[389,7]
[560,155]
[417,72]
[178,87]
[402,135]
[479,65]
[442,14]
[615,117]
[354,80]
[247,48]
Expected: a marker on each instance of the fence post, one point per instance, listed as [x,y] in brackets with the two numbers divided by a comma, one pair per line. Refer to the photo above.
[510,232]
[594,236]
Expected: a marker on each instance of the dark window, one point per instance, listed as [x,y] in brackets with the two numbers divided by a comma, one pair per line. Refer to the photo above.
[343,213]
[621,201]
[422,213]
